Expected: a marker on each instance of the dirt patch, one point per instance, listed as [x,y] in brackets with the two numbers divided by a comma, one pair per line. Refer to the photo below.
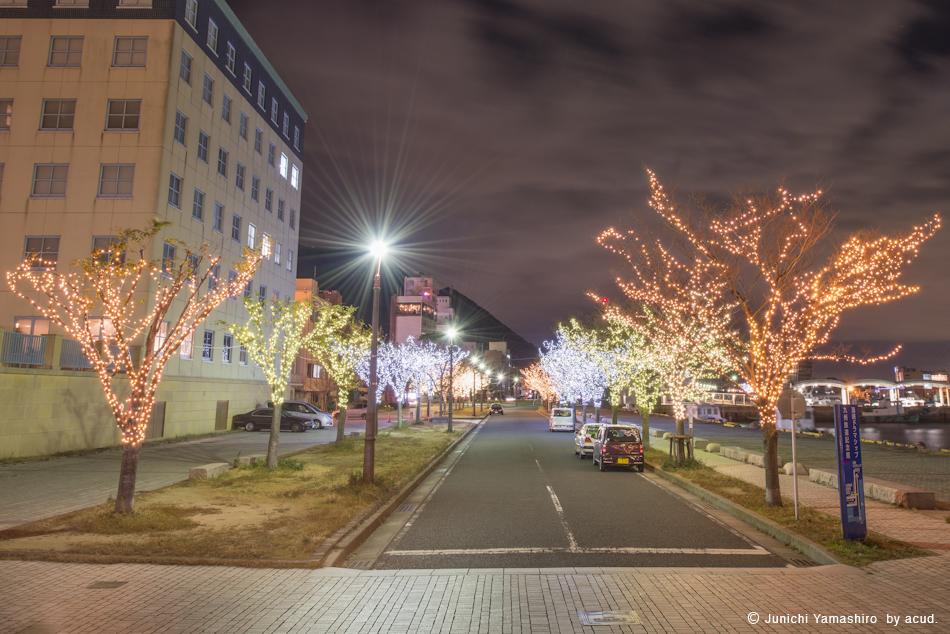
[249,513]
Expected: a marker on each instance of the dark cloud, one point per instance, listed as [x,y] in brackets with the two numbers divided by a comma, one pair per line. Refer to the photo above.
[504,135]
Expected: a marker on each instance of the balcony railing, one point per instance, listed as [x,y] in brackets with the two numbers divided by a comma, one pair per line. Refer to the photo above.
[72,356]
[22,349]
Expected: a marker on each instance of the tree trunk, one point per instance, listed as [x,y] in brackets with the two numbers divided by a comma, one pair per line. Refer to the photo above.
[614,409]
[584,414]
[646,429]
[341,422]
[680,445]
[274,437]
[399,415]
[773,492]
[125,498]
[428,407]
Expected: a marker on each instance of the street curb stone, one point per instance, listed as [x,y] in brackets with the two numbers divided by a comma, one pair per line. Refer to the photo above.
[810,549]
[336,548]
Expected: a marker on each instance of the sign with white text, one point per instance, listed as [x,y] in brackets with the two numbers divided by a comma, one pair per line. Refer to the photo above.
[850,472]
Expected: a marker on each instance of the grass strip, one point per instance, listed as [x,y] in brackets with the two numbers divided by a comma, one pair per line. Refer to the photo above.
[814,525]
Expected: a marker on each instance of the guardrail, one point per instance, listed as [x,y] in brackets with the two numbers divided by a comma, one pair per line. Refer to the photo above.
[22,349]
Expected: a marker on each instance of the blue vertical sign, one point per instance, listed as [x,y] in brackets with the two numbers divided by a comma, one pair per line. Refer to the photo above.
[850,473]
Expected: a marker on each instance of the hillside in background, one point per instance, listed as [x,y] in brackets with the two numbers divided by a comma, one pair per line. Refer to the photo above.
[479,325]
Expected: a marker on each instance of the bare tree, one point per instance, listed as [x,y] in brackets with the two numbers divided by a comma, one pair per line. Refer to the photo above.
[115,286]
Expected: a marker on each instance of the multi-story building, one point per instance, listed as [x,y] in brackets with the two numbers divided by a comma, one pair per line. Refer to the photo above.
[414,313]
[113,114]
[309,380]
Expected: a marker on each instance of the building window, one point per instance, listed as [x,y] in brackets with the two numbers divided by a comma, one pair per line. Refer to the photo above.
[232,278]
[212,36]
[280,209]
[13,3]
[269,200]
[115,181]
[10,50]
[262,293]
[185,71]
[222,162]
[251,236]
[293,218]
[266,246]
[187,345]
[242,355]
[218,217]
[6,114]
[103,251]
[290,259]
[260,95]
[193,260]
[198,206]
[272,155]
[191,13]
[286,125]
[242,130]
[296,138]
[239,177]
[181,127]
[174,190]
[213,277]
[273,110]
[226,108]
[277,254]
[207,93]
[130,51]
[248,289]
[226,346]
[65,51]
[49,180]
[232,57]
[255,189]
[41,252]
[168,259]
[134,3]
[124,114]
[236,228]
[203,141]
[58,114]
[284,162]
[258,138]
[160,337]
[247,77]
[294,177]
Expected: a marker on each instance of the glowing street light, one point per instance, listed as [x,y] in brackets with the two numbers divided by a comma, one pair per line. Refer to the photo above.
[377,249]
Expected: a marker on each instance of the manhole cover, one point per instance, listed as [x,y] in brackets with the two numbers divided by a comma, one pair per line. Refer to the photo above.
[360,564]
[409,508]
[106,585]
[628,617]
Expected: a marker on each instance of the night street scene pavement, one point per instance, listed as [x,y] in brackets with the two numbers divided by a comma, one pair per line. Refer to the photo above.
[484,316]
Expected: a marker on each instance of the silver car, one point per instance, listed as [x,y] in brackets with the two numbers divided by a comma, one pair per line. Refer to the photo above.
[302,409]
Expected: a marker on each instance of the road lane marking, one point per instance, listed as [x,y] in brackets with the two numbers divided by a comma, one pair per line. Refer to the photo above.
[560,514]
[755,550]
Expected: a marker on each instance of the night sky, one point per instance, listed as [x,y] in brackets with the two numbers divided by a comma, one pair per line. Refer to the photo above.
[494,139]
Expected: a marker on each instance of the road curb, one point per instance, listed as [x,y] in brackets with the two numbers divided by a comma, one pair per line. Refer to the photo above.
[341,544]
[815,552]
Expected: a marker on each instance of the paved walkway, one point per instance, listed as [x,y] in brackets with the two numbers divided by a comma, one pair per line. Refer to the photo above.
[50,598]
[923,529]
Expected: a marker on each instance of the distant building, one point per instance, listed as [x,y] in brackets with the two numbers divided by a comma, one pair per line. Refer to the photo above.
[903,373]
[414,313]
[801,371]
[308,379]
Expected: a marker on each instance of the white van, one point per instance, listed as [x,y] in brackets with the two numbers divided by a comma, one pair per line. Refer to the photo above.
[562,419]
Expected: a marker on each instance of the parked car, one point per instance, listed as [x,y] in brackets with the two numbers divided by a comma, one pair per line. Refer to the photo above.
[309,411]
[261,419]
[618,445]
[496,408]
[562,419]
[584,439]
[356,410]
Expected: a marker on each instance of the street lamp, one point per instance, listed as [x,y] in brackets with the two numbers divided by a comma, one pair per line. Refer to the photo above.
[474,363]
[377,250]
[450,333]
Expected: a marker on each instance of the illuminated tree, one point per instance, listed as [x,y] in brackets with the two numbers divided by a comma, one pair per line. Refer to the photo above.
[344,342]
[148,307]
[273,334]
[748,275]
[536,379]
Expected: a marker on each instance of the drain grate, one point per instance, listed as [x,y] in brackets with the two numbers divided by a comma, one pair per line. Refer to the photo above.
[803,563]
[360,564]
[409,508]
[106,585]
[615,617]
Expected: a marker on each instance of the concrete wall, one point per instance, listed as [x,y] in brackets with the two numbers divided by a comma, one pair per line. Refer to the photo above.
[49,411]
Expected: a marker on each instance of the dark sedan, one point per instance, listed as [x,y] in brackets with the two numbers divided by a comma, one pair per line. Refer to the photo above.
[496,408]
[261,419]
[618,445]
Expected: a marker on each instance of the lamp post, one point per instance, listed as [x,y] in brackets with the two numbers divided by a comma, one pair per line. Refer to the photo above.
[474,362]
[451,335]
[377,250]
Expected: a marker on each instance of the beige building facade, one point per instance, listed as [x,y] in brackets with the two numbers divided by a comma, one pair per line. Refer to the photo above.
[111,117]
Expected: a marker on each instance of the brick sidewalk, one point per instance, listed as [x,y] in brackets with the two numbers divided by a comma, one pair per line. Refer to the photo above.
[56,598]
[919,529]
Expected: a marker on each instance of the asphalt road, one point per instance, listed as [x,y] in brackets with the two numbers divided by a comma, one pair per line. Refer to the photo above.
[516,496]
